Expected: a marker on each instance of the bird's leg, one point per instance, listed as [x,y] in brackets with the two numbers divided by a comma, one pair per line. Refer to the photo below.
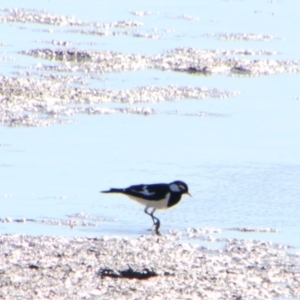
[151,215]
[155,220]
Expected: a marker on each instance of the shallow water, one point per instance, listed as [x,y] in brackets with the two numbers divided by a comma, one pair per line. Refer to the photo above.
[241,162]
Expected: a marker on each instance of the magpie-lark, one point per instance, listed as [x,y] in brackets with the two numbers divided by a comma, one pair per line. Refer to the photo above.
[155,196]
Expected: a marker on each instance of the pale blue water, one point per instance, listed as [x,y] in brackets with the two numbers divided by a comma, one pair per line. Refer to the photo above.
[243,168]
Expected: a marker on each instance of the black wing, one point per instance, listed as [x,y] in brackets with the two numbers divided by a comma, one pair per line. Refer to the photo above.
[148,191]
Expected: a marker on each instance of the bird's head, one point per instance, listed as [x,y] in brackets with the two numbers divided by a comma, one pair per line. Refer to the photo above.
[179,187]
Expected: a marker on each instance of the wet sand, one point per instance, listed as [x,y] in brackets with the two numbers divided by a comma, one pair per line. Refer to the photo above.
[152,267]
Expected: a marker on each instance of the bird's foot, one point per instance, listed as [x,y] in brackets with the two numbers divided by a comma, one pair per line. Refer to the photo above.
[156,226]
[157,232]
[155,229]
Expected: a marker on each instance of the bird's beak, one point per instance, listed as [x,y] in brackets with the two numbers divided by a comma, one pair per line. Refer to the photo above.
[190,195]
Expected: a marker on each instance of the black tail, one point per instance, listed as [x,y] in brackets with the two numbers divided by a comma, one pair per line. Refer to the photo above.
[113,191]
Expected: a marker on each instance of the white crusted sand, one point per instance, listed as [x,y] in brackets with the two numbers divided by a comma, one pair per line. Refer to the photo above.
[68,268]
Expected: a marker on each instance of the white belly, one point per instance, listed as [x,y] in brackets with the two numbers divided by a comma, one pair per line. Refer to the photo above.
[161,204]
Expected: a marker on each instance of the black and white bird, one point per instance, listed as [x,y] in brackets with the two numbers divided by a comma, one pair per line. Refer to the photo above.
[155,196]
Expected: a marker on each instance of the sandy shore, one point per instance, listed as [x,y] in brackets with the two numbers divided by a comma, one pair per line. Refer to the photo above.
[148,267]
